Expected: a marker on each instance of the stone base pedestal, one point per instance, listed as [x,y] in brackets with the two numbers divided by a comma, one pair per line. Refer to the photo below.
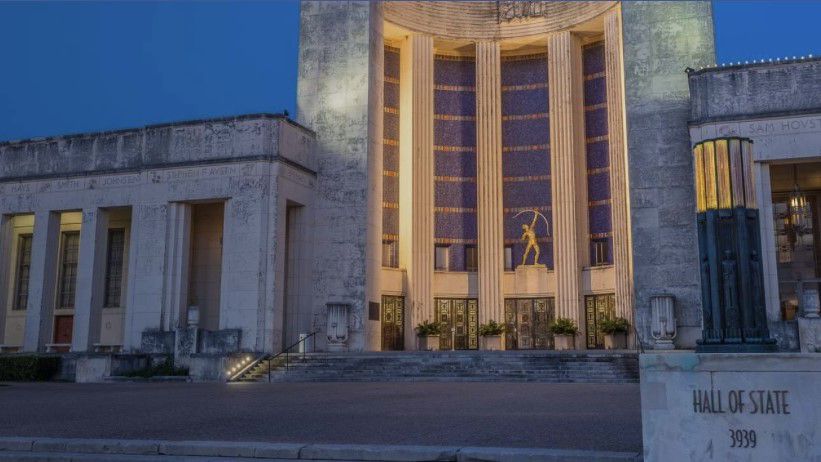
[731,406]
[492,342]
[428,343]
[809,335]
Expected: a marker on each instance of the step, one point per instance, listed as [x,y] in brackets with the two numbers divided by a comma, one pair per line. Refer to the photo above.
[536,366]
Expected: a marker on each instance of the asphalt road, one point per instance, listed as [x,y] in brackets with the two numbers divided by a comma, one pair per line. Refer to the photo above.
[577,416]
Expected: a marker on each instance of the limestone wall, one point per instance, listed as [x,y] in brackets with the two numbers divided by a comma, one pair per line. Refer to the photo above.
[747,91]
[661,39]
[340,64]
[247,137]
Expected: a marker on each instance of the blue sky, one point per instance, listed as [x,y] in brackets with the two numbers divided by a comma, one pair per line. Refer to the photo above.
[68,67]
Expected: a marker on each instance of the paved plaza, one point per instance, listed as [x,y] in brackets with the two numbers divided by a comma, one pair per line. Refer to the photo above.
[566,416]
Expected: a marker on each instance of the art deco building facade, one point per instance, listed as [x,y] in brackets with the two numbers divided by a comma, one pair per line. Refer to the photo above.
[459,162]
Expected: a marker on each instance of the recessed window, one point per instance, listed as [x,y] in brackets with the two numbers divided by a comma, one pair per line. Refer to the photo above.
[21,282]
[440,257]
[390,254]
[600,250]
[114,267]
[508,258]
[68,270]
[471,258]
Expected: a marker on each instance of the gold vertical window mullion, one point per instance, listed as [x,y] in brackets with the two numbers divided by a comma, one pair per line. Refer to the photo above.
[725,189]
[737,172]
[698,159]
[711,194]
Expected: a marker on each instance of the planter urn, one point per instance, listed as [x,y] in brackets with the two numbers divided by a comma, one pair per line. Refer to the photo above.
[615,341]
[564,342]
[428,343]
[492,342]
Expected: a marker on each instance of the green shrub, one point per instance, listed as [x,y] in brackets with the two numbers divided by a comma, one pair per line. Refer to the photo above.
[165,368]
[427,328]
[614,326]
[564,326]
[28,368]
[491,328]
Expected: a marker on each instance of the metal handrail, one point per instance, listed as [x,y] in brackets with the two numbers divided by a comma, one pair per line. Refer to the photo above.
[268,358]
[285,352]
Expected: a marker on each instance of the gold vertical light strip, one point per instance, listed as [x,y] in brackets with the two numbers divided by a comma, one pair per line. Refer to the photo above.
[749,182]
[737,171]
[725,191]
[698,160]
[710,194]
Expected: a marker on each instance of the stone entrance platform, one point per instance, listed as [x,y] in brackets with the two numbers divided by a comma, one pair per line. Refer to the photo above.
[546,366]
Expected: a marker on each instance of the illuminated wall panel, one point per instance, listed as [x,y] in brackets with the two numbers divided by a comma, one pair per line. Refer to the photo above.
[454,133]
[598,160]
[390,159]
[526,151]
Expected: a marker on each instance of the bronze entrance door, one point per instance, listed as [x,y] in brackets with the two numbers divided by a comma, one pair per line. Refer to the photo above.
[596,309]
[527,321]
[393,322]
[460,323]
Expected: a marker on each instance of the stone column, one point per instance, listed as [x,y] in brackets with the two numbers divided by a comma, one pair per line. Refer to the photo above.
[420,263]
[769,257]
[177,260]
[146,272]
[489,180]
[6,270]
[42,280]
[614,69]
[90,279]
[568,171]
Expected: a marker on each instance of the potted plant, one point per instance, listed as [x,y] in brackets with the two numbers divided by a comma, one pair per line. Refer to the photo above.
[564,332]
[491,335]
[428,334]
[615,333]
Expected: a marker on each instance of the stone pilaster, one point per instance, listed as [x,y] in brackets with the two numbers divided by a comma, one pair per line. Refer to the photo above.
[177,258]
[489,180]
[90,279]
[619,203]
[568,172]
[42,280]
[420,264]
[6,270]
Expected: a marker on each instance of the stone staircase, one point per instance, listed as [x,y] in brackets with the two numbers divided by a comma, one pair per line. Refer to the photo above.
[451,366]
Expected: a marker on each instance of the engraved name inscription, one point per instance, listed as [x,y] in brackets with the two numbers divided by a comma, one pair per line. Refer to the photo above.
[741,402]
[521,9]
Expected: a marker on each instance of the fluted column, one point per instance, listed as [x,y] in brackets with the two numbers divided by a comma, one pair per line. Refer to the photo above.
[417,78]
[489,180]
[614,71]
[568,172]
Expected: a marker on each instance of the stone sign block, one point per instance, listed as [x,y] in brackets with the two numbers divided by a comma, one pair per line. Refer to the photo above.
[731,407]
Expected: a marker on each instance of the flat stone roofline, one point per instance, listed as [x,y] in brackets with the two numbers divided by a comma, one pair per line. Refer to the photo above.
[227,139]
[746,91]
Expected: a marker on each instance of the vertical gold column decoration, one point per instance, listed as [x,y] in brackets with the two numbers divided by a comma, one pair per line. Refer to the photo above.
[568,171]
[489,180]
[614,71]
[419,81]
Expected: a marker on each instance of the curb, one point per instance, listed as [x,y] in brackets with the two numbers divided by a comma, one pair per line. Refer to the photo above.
[70,449]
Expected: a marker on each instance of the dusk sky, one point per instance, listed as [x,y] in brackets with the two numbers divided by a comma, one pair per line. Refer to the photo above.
[68,67]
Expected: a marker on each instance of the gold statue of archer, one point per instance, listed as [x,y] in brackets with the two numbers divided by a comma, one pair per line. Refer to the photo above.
[529,236]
